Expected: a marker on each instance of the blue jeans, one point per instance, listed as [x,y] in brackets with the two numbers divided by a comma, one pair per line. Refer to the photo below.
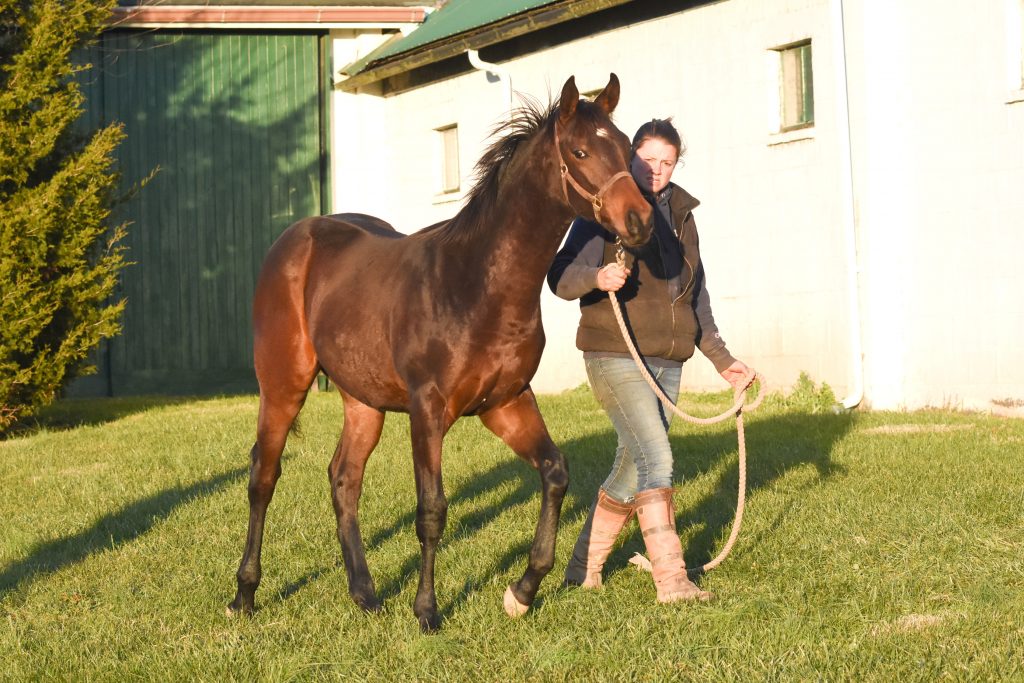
[643,458]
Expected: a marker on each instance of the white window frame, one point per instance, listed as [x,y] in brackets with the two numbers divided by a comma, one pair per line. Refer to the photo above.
[1014,50]
[449,179]
[773,65]
[788,87]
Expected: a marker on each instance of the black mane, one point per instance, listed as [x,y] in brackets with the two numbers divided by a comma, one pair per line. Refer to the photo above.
[526,121]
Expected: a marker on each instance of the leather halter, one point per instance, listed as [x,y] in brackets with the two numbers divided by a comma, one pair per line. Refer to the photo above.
[594,199]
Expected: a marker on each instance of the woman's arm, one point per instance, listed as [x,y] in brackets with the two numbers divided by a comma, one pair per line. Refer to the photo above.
[711,344]
[709,341]
[575,269]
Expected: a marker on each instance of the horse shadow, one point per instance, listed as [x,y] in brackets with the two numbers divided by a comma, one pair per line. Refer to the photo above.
[112,530]
[808,441]
[776,446]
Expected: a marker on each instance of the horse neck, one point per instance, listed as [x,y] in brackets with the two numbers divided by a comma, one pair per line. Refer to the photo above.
[526,224]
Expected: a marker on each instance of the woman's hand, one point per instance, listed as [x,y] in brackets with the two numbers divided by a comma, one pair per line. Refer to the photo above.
[610,278]
[738,375]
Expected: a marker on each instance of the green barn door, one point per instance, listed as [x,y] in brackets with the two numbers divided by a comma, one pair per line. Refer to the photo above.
[234,126]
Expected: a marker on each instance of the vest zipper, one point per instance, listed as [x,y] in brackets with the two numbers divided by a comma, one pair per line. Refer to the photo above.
[693,276]
[672,348]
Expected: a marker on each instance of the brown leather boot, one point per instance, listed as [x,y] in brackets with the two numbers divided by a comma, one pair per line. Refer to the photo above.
[656,515]
[607,517]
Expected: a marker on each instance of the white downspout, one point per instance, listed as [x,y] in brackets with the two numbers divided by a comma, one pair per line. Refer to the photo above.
[500,73]
[856,392]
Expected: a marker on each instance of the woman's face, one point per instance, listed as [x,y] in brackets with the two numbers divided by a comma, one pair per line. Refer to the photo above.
[653,164]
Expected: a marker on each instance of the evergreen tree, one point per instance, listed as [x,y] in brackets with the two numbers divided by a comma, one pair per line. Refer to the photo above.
[59,257]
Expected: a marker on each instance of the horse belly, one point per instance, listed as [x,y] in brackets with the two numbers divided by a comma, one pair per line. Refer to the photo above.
[353,351]
[348,312]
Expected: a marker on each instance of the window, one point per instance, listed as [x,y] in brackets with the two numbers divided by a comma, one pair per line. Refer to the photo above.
[449,146]
[796,86]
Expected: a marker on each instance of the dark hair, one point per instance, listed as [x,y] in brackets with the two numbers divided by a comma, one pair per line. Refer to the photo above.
[661,129]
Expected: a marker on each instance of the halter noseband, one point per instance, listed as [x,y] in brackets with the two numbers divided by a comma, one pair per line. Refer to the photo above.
[594,199]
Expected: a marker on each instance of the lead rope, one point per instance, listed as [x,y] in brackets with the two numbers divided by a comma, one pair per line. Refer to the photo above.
[739,399]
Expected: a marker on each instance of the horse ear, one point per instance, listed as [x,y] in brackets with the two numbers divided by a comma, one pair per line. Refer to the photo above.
[570,98]
[609,97]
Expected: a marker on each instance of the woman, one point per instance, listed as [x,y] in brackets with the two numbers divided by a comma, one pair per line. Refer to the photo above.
[669,312]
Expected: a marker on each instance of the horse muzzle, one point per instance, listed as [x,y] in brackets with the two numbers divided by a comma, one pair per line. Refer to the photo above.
[638,226]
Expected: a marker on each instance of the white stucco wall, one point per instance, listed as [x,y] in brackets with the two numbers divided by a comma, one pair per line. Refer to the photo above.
[937,160]
[939,171]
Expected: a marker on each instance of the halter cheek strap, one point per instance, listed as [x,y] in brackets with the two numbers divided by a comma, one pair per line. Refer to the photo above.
[594,199]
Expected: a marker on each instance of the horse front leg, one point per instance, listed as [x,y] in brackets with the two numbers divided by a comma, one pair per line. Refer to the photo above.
[428,425]
[520,425]
[359,436]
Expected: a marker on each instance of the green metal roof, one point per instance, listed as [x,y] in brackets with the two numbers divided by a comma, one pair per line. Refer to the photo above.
[462,25]
[459,16]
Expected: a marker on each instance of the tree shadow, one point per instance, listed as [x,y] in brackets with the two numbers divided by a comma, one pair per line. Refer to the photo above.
[112,530]
[71,413]
[237,164]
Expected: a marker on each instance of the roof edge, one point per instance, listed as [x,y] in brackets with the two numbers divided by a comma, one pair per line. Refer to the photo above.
[232,16]
[373,71]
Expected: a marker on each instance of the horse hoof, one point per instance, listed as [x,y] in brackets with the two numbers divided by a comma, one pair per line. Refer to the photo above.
[370,605]
[513,607]
[238,607]
[231,612]
[430,624]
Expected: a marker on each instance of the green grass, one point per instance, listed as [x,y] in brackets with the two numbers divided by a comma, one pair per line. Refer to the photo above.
[876,546]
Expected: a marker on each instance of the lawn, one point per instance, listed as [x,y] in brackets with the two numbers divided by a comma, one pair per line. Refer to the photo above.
[875,546]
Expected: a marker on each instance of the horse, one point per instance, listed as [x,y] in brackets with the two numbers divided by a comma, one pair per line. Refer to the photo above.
[439,324]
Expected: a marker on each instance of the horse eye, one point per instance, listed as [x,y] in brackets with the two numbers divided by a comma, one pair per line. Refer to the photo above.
[579,154]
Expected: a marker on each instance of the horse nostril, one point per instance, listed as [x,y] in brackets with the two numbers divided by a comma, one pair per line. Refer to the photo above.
[634,224]
[638,228]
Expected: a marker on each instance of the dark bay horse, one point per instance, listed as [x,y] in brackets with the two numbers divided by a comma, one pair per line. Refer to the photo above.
[439,324]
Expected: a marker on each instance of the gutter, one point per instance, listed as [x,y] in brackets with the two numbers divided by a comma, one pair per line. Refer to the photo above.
[848,208]
[500,73]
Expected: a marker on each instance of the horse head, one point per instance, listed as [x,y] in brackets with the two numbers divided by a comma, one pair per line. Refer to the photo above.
[593,157]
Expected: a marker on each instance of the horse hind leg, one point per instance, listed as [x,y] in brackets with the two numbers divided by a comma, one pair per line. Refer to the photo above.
[359,436]
[285,366]
[264,470]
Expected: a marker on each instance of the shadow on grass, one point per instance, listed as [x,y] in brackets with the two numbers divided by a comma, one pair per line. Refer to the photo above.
[776,446]
[71,413]
[112,530]
[461,525]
